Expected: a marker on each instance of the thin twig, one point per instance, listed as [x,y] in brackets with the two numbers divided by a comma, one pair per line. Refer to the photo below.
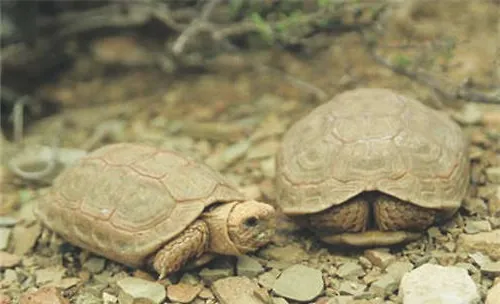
[194,27]
[18,118]
[30,157]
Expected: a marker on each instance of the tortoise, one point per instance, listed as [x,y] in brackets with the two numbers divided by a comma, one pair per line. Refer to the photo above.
[371,167]
[149,207]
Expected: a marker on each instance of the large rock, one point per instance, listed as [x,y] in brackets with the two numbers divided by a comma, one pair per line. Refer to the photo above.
[436,284]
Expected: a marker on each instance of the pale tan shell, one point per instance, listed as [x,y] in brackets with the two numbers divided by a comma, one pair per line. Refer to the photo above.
[124,201]
[372,139]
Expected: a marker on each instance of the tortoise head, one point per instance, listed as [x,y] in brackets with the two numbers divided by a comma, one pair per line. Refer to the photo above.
[240,227]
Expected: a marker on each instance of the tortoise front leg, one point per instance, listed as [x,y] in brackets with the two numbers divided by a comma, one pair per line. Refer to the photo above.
[188,245]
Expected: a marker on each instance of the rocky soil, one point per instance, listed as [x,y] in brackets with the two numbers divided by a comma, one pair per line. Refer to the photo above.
[233,119]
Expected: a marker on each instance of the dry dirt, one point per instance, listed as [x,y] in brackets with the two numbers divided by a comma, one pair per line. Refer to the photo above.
[233,119]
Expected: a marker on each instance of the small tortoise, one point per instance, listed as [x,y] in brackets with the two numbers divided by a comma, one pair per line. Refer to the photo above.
[372,168]
[142,206]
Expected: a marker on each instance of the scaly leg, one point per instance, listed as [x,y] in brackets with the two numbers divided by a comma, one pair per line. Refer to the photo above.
[392,214]
[187,246]
[352,216]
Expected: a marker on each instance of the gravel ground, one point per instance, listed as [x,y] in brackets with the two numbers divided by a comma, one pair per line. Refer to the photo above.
[233,119]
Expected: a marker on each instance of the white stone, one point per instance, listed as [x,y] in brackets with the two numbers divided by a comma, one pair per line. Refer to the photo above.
[436,284]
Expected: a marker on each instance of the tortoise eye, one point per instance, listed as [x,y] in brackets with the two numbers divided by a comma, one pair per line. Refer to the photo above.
[251,221]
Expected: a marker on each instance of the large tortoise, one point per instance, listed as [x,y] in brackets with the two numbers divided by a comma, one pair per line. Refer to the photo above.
[144,206]
[372,167]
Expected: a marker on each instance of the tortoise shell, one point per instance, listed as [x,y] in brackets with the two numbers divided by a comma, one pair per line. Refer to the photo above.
[372,139]
[124,201]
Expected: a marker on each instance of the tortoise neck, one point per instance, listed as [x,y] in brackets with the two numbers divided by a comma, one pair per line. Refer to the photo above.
[217,221]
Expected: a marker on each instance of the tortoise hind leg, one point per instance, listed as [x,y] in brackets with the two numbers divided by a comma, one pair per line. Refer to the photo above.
[189,245]
[392,214]
[352,216]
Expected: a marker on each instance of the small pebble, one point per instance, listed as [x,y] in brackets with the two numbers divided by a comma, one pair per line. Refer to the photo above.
[385,285]
[470,114]
[491,268]
[267,279]
[372,275]
[182,292]
[236,290]
[95,264]
[350,270]
[206,293]
[25,238]
[4,237]
[109,298]
[133,289]
[431,283]
[248,267]
[49,275]
[7,221]
[379,258]
[479,258]
[8,260]
[10,276]
[475,206]
[398,269]
[472,227]
[210,275]
[89,298]
[65,283]
[365,262]
[44,295]
[299,283]
[493,174]
[486,242]
[351,288]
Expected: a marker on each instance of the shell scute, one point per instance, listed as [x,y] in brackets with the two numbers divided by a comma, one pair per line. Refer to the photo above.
[191,182]
[104,192]
[157,164]
[368,161]
[142,206]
